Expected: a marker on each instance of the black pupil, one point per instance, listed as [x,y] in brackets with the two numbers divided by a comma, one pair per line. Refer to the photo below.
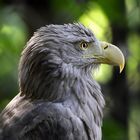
[84,45]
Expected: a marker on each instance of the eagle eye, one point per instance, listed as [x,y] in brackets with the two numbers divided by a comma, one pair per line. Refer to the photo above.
[84,45]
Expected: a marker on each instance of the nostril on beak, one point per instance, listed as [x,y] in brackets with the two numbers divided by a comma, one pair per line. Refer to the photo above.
[106,47]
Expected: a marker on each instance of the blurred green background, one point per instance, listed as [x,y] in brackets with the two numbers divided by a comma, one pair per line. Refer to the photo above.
[115,21]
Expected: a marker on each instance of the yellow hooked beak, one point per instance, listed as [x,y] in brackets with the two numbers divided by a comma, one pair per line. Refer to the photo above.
[110,54]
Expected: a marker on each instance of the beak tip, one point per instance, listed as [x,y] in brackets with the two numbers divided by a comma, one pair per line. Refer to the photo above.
[121,68]
[122,64]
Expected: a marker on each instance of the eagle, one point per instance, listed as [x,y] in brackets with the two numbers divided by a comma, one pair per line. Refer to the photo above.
[58,98]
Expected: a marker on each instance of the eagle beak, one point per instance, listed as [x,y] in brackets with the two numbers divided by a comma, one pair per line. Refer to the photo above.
[110,54]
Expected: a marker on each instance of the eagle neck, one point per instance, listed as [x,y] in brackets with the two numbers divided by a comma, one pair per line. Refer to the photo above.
[85,98]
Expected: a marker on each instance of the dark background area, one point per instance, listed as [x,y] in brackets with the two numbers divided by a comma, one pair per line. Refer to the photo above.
[115,21]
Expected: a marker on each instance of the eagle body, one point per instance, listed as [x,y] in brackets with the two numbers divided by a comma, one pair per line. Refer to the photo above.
[58,98]
[70,118]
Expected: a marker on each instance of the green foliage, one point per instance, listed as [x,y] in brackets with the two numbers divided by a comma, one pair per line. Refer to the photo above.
[134,62]
[12,39]
[67,10]
[112,130]
[133,13]
[115,11]
[134,123]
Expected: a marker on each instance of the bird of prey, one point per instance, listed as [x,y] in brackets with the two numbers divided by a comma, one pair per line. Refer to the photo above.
[58,98]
